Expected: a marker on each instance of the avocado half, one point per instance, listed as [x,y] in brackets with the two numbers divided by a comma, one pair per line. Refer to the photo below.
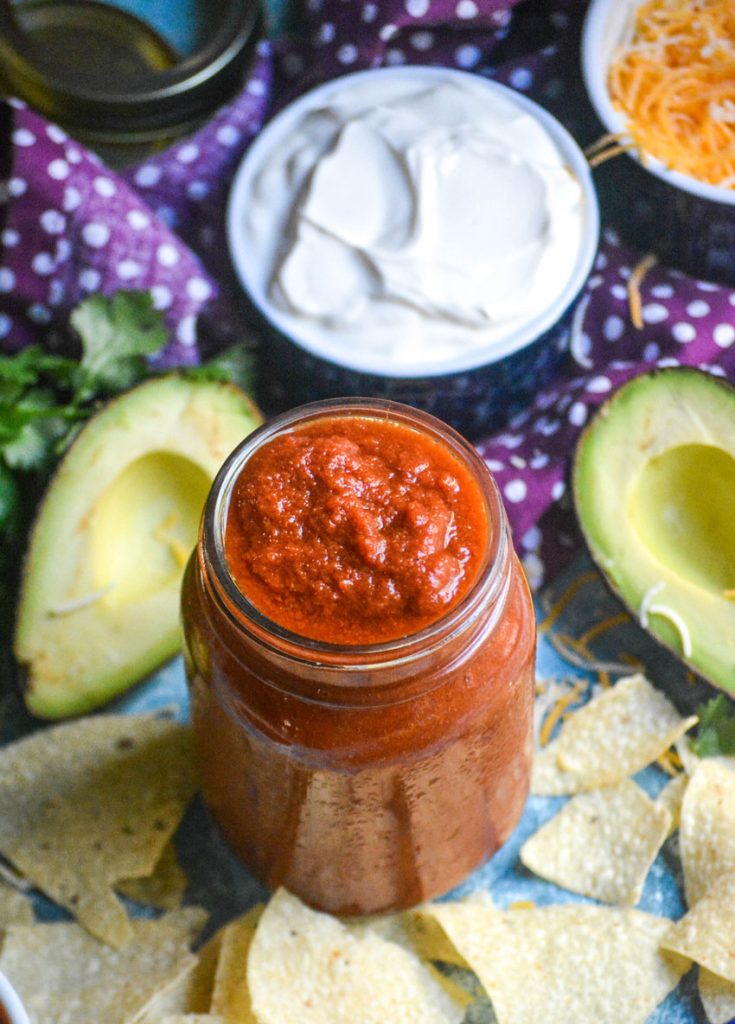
[99,600]
[654,491]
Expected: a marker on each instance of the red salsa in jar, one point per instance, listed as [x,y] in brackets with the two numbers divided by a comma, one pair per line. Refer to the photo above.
[359,642]
[355,530]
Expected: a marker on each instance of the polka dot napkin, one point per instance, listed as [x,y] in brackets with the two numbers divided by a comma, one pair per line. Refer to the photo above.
[71,227]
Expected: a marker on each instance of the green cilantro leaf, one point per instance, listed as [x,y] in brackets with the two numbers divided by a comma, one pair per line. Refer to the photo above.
[232,366]
[117,334]
[31,428]
[716,732]
[10,506]
[29,366]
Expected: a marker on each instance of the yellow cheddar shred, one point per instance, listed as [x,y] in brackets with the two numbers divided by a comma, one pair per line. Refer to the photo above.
[574,587]
[670,762]
[634,289]
[559,710]
[604,626]
[674,81]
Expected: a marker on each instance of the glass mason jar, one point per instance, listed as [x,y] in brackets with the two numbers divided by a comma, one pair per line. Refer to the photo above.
[112,80]
[364,778]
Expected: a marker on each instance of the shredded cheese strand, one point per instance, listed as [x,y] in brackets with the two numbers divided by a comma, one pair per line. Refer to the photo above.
[604,627]
[558,607]
[648,607]
[670,762]
[608,154]
[559,709]
[609,139]
[69,607]
[565,647]
[634,289]
[674,81]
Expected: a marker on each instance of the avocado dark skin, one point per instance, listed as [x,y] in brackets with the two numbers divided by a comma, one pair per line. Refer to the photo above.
[653,482]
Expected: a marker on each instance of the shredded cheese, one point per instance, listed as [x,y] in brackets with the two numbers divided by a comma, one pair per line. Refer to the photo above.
[670,762]
[559,709]
[604,627]
[558,607]
[674,81]
[576,334]
[665,612]
[634,289]
[607,154]
[581,657]
[80,603]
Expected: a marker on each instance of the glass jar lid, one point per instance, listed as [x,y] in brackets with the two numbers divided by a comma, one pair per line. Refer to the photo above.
[90,65]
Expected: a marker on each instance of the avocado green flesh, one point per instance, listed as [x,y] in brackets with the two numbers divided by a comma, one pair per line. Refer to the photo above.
[683,508]
[99,603]
[145,525]
[654,490]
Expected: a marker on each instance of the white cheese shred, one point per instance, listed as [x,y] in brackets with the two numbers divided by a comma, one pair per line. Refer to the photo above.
[648,607]
[83,602]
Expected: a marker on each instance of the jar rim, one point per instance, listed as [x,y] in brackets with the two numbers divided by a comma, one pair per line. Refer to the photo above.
[168,96]
[486,590]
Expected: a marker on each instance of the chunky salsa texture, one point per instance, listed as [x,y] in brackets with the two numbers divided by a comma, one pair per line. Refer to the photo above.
[355,530]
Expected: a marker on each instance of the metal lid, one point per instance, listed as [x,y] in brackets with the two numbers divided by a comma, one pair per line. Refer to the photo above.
[89,64]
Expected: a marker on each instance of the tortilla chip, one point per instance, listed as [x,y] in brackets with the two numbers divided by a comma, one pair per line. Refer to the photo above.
[688,758]
[706,934]
[562,964]
[393,927]
[15,907]
[62,974]
[230,994]
[617,733]
[718,997]
[164,889]
[192,992]
[548,779]
[397,928]
[601,844]
[306,967]
[88,803]
[707,830]
[671,797]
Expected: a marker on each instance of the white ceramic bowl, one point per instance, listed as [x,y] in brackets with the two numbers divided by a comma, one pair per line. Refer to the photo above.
[472,391]
[11,1003]
[688,222]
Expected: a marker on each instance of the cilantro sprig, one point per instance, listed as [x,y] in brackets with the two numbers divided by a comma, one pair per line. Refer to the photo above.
[46,397]
[716,732]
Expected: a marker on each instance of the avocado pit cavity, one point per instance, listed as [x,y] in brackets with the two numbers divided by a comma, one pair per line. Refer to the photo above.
[145,526]
[682,508]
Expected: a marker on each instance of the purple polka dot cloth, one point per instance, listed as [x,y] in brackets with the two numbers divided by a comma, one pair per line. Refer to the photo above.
[70,227]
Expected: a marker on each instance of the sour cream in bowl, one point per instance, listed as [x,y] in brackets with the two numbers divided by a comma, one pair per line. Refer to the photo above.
[405,227]
[11,1008]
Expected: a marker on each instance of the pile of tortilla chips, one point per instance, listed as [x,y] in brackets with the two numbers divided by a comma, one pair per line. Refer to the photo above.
[603,841]
[89,809]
